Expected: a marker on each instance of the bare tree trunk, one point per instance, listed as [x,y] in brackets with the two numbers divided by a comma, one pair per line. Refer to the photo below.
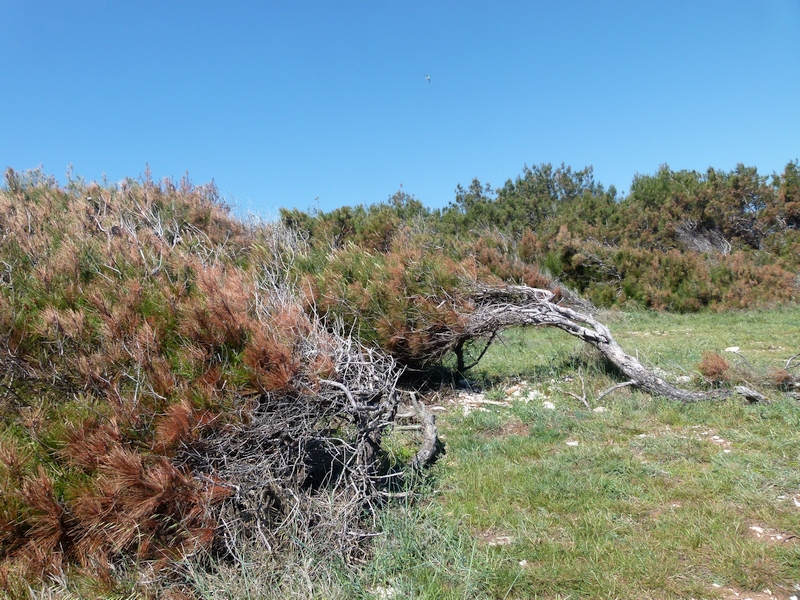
[502,307]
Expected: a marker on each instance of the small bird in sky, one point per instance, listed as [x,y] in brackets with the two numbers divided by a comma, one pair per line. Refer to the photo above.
[428,78]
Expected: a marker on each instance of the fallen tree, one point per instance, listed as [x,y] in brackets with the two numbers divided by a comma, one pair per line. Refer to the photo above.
[495,308]
[420,305]
[500,307]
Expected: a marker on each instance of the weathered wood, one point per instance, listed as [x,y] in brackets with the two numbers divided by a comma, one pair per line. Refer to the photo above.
[498,308]
[430,447]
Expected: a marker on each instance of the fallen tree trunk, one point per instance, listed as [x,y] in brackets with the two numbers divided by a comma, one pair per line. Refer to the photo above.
[498,308]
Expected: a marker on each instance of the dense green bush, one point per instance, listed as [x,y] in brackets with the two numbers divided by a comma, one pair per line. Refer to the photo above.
[680,240]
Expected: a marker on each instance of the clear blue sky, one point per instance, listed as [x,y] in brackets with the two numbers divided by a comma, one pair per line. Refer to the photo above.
[283,103]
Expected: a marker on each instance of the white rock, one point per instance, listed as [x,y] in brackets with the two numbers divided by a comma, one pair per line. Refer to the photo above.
[384,593]
[732,349]
[549,405]
[600,409]
[523,563]
[572,443]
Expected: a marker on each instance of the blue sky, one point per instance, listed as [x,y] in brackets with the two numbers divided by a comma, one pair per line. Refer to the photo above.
[324,104]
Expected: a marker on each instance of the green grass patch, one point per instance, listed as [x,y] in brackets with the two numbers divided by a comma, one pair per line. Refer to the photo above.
[648,499]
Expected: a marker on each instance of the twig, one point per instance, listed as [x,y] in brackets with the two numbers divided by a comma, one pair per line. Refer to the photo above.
[614,388]
[480,356]
[342,387]
[740,355]
[582,397]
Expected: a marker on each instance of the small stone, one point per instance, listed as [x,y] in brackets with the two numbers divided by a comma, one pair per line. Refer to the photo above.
[548,405]
[523,563]
[384,593]
[727,451]
[732,349]
[600,409]
[758,530]
[572,443]
[501,540]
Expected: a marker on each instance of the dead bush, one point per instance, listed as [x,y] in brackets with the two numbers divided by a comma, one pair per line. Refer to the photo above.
[714,367]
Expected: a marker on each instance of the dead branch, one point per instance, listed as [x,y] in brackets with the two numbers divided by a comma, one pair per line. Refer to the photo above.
[582,397]
[498,308]
[305,464]
[614,388]
[430,439]
[460,366]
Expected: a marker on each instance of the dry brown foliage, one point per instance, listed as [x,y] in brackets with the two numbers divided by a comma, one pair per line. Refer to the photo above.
[714,367]
[156,367]
[781,378]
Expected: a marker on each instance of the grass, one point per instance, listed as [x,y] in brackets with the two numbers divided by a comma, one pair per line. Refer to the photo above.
[649,499]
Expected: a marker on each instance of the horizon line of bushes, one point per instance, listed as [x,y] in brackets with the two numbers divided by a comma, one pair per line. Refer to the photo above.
[680,240]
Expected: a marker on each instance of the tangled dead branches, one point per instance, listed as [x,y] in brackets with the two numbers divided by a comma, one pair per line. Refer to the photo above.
[305,465]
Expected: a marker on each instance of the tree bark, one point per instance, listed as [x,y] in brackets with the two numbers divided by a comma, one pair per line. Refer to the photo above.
[431,446]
